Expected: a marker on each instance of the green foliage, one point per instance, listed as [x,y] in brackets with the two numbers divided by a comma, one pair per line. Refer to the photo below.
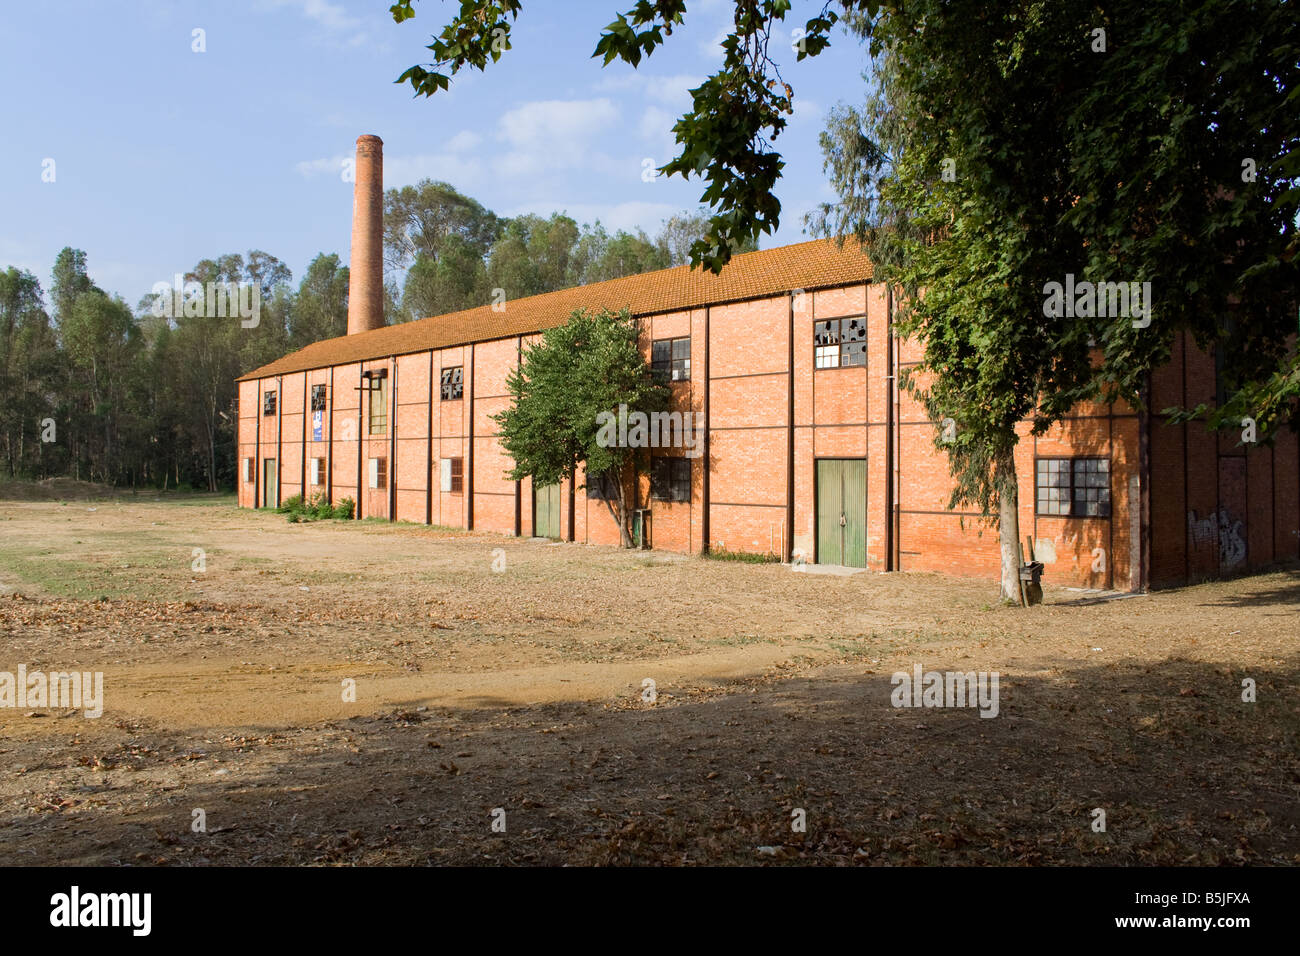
[565,383]
[1121,166]
[316,508]
[457,254]
[736,113]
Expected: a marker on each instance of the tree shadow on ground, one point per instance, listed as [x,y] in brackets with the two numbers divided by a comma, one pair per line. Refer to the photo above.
[1185,771]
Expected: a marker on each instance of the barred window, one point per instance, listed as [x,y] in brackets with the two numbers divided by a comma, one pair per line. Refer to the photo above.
[670,479]
[453,383]
[671,359]
[318,398]
[1073,487]
[839,343]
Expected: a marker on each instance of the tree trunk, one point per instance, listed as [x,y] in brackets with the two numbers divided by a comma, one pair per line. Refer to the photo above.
[1009,525]
[624,535]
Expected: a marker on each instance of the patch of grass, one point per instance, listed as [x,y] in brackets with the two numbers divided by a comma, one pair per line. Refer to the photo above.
[747,557]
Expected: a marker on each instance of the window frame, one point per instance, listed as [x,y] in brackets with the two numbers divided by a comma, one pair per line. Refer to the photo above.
[268,402]
[601,488]
[453,390]
[319,397]
[457,476]
[845,353]
[679,487]
[377,423]
[674,368]
[1105,498]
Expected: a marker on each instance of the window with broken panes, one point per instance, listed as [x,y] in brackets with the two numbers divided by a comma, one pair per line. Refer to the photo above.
[453,383]
[268,403]
[318,398]
[671,359]
[839,343]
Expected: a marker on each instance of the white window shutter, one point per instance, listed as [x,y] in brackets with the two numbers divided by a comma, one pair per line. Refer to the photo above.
[374,472]
[315,471]
[446,474]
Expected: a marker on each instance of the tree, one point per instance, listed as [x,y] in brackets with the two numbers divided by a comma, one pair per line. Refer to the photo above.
[28,370]
[421,220]
[562,389]
[321,308]
[988,161]
[533,255]
[680,233]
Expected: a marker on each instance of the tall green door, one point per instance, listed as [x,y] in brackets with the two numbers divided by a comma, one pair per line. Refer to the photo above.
[842,511]
[270,492]
[546,511]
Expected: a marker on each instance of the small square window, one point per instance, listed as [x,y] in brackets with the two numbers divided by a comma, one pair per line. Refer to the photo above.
[839,343]
[378,472]
[671,359]
[318,471]
[453,383]
[1075,487]
[601,488]
[670,479]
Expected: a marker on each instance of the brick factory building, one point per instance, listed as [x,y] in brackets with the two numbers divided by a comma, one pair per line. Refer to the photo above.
[809,446]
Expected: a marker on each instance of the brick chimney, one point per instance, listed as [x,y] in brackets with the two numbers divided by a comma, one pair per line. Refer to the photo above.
[366,276]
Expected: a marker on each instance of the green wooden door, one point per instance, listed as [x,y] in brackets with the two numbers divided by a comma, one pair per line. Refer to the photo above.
[269,490]
[546,511]
[842,512]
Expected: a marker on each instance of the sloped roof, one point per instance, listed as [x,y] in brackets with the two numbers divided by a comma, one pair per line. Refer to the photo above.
[818,264]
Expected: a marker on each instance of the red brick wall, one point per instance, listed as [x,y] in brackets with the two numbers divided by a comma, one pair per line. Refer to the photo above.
[1195,477]
[1218,507]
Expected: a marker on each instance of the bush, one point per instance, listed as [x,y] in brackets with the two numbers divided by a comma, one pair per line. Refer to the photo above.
[316,508]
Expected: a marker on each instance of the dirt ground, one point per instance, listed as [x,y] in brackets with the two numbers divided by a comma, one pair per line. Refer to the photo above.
[497,674]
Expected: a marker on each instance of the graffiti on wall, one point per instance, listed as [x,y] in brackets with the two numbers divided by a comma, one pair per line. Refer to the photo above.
[1221,526]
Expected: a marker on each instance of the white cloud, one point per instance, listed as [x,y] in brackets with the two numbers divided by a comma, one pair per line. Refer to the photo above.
[548,134]
[463,141]
[673,89]
[613,216]
[402,170]
[656,123]
[331,16]
[336,27]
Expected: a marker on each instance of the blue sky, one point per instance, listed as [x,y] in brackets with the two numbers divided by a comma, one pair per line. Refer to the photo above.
[163,156]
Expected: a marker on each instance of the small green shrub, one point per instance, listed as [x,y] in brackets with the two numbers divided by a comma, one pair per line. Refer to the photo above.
[291,506]
[345,509]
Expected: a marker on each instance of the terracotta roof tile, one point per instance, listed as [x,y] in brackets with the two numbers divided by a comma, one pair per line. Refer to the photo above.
[818,264]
